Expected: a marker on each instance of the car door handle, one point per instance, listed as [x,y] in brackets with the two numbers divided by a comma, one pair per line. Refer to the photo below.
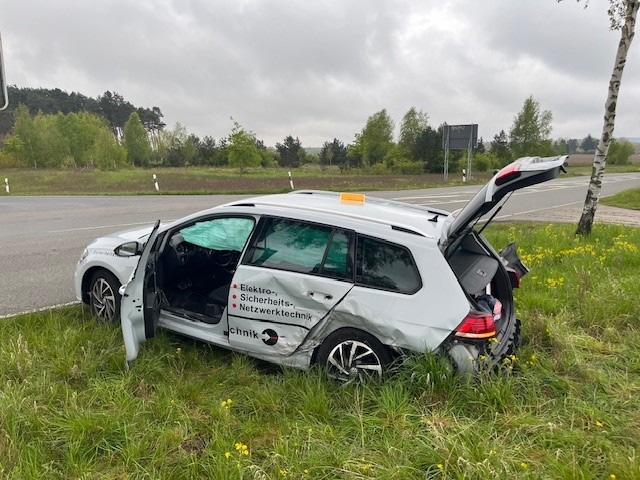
[320,295]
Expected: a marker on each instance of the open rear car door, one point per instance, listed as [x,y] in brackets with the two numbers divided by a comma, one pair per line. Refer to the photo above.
[140,309]
[522,173]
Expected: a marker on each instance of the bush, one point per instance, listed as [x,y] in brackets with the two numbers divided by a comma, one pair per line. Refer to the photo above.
[407,167]
[620,152]
[8,160]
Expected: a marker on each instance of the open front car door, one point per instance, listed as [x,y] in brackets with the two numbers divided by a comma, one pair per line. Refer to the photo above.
[140,308]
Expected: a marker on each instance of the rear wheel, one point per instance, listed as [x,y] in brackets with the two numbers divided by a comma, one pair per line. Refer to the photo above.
[104,298]
[508,341]
[350,355]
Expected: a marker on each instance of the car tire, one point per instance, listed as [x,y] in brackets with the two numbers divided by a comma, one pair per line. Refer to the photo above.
[509,341]
[350,355]
[104,298]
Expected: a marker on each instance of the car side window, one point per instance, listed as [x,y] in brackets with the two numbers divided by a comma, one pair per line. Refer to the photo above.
[226,233]
[301,247]
[386,266]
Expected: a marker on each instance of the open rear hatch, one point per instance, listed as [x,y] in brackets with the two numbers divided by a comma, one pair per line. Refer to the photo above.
[522,173]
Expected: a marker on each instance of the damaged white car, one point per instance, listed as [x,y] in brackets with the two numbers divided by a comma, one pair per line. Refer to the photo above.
[305,278]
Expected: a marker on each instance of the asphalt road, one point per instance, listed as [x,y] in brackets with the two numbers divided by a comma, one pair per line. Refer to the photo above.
[41,238]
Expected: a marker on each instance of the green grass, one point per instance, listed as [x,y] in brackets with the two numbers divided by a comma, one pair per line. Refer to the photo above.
[569,408]
[200,180]
[582,169]
[626,199]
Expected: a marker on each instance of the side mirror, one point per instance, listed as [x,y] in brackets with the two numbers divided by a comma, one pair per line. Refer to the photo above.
[129,249]
[4,99]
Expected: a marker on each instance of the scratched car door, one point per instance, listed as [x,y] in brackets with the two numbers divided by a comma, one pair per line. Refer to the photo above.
[291,276]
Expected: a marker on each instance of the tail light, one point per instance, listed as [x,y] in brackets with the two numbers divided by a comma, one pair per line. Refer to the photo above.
[514,278]
[477,325]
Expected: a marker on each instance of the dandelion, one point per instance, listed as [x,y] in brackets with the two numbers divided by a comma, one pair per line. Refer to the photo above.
[612,476]
[440,466]
[242,448]
[226,403]
[524,465]
[599,424]
[227,454]
[283,472]
[532,360]
[555,282]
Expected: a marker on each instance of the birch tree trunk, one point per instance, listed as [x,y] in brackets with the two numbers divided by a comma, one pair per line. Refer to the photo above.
[599,161]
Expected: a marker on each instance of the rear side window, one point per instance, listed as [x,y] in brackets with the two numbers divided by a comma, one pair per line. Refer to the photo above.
[386,266]
[302,247]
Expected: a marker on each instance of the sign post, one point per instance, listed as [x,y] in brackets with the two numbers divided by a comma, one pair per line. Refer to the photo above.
[459,137]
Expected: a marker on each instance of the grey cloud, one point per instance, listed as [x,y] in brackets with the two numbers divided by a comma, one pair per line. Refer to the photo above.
[318,69]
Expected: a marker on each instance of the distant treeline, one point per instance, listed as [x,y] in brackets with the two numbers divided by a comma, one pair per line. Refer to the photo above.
[110,106]
[50,128]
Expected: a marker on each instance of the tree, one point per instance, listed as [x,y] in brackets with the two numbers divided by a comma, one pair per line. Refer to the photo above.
[105,152]
[531,130]
[178,148]
[500,148]
[620,152]
[622,14]
[116,110]
[572,145]
[376,139]
[136,141]
[24,131]
[480,148]
[589,144]
[413,124]
[290,153]
[428,149]
[560,146]
[333,153]
[243,151]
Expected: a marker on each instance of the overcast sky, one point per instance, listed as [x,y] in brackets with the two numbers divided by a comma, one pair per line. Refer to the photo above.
[317,69]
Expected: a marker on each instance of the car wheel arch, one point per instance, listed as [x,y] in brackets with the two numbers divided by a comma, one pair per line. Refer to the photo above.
[385,353]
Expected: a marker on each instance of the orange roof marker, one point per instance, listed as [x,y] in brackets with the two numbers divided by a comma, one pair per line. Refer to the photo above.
[352,198]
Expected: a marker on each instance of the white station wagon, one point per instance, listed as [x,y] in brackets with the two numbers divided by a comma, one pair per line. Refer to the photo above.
[343,281]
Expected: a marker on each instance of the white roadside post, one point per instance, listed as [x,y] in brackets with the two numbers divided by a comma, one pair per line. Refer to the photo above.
[6,184]
[155,183]
[291,181]
[464,175]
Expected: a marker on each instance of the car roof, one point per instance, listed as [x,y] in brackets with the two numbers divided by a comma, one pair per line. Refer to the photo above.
[358,207]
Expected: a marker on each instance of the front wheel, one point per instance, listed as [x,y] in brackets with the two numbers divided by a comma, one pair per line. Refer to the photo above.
[104,298]
[350,355]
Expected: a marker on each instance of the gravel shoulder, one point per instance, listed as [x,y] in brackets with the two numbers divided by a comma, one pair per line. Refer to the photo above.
[604,214]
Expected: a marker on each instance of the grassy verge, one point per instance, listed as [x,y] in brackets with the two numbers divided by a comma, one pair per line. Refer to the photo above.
[582,169]
[200,180]
[195,180]
[568,407]
[626,199]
